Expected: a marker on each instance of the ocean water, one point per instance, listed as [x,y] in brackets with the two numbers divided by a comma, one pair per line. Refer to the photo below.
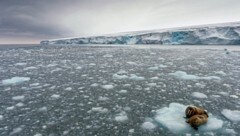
[117,90]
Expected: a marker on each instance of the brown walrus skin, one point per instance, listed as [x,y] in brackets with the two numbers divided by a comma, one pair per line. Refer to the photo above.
[192,110]
[197,120]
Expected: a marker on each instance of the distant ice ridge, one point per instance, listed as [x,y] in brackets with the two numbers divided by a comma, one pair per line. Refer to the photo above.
[216,34]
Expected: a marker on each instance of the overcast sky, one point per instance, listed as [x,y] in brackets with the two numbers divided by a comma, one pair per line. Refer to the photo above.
[29,21]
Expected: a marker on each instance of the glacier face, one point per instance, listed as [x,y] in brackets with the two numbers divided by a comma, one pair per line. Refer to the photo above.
[219,34]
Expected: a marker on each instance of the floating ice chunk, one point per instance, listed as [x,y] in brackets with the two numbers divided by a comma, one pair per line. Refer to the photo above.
[154,78]
[233,115]
[20,64]
[1,117]
[94,85]
[153,68]
[131,130]
[162,66]
[148,125]
[234,96]
[121,117]
[15,80]
[42,109]
[55,96]
[123,91]
[18,98]
[20,104]
[99,109]
[131,63]
[230,132]
[172,117]
[107,56]
[55,70]
[135,77]
[103,98]
[16,131]
[220,73]
[152,84]
[108,87]
[29,68]
[183,75]
[92,64]
[117,76]
[68,89]
[38,134]
[34,84]
[78,67]
[198,95]
[10,108]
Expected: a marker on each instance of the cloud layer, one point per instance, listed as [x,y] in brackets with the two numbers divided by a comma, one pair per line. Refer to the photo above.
[29,21]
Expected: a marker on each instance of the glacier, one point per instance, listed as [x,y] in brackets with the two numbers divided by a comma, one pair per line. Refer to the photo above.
[214,34]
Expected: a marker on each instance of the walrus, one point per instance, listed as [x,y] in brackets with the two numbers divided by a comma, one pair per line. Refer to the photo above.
[197,120]
[192,110]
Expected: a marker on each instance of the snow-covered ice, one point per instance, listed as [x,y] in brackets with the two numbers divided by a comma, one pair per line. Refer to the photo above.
[18,98]
[199,95]
[233,115]
[172,118]
[15,80]
[183,75]
[121,117]
[148,125]
[108,87]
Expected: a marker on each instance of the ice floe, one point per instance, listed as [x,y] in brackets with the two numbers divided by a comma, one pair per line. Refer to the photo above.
[99,109]
[148,125]
[108,87]
[16,131]
[172,118]
[121,117]
[233,115]
[15,80]
[1,117]
[55,96]
[199,95]
[18,98]
[184,76]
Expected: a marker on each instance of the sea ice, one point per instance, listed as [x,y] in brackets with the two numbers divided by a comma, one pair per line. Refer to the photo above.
[148,125]
[15,80]
[172,117]
[99,109]
[55,96]
[20,104]
[123,91]
[16,131]
[233,115]
[135,77]
[121,117]
[18,98]
[183,75]
[198,95]
[1,117]
[108,87]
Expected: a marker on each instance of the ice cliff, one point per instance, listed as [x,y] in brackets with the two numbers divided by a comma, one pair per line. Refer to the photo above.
[215,34]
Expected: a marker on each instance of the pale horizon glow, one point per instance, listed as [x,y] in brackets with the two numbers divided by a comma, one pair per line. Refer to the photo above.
[29,21]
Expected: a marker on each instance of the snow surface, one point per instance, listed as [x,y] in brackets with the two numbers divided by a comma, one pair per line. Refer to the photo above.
[15,80]
[233,115]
